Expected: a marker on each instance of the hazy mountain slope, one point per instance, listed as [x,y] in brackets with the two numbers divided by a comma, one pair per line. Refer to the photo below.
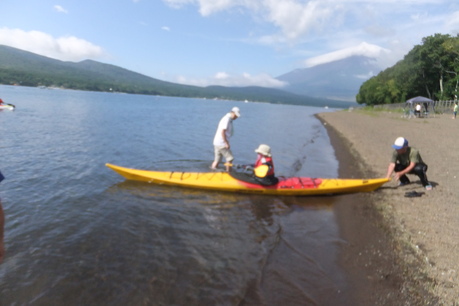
[339,80]
[28,69]
[23,62]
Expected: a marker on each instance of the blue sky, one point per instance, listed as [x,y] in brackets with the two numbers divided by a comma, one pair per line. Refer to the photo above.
[223,42]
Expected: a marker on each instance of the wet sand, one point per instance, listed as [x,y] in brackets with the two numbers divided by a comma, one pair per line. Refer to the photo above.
[399,250]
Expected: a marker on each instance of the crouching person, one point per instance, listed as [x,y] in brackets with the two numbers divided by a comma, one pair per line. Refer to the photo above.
[407,160]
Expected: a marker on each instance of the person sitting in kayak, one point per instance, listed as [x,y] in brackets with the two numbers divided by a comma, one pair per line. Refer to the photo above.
[8,105]
[264,166]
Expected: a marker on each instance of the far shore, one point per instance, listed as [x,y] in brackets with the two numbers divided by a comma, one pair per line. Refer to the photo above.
[401,250]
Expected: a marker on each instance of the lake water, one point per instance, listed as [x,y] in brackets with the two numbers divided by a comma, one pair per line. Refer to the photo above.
[76,233]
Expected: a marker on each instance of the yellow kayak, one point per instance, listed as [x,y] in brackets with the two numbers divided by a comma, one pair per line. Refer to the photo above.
[223,181]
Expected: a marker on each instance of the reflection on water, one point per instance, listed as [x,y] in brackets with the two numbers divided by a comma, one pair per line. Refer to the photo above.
[78,234]
[269,247]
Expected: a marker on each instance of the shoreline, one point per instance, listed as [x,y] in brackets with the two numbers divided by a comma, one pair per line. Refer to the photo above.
[385,263]
[359,226]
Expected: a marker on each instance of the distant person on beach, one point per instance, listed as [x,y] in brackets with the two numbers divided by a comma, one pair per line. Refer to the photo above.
[1,102]
[407,160]
[2,225]
[265,163]
[455,110]
[222,147]
[417,110]
[426,107]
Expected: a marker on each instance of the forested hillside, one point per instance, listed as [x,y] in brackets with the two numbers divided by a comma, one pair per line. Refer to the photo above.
[429,69]
[18,67]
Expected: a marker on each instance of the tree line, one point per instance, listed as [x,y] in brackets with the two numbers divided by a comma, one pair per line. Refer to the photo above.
[429,69]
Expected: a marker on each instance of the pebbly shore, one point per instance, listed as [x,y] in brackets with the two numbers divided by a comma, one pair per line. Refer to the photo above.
[399,250]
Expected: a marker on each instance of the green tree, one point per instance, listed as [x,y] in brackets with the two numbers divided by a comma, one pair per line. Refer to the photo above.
[430,69]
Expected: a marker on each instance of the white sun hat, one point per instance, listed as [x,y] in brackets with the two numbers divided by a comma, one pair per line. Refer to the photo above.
[264,150]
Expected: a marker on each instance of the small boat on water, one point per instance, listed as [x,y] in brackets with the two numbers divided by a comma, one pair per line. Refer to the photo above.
[236,182]
[7,106]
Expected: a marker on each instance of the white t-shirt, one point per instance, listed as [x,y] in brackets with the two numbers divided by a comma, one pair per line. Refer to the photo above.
[226,123]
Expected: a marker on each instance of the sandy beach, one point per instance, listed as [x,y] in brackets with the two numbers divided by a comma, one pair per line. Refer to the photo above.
[400,250]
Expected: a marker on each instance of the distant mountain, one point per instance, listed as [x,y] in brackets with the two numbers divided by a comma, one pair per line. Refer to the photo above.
[29,69]
[18,67]
[338,80]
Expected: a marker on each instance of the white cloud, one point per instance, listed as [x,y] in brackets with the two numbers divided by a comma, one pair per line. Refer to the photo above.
[209,7]
[294,18]
[364,49]
[365,76]
[178,3]
[225,79]
[67,48]
[60,9]
[322,24]
[452,23]
[165,28]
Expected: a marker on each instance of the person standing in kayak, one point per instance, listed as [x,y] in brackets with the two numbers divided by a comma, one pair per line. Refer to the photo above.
[222,147]
[407,160]
[264,166]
